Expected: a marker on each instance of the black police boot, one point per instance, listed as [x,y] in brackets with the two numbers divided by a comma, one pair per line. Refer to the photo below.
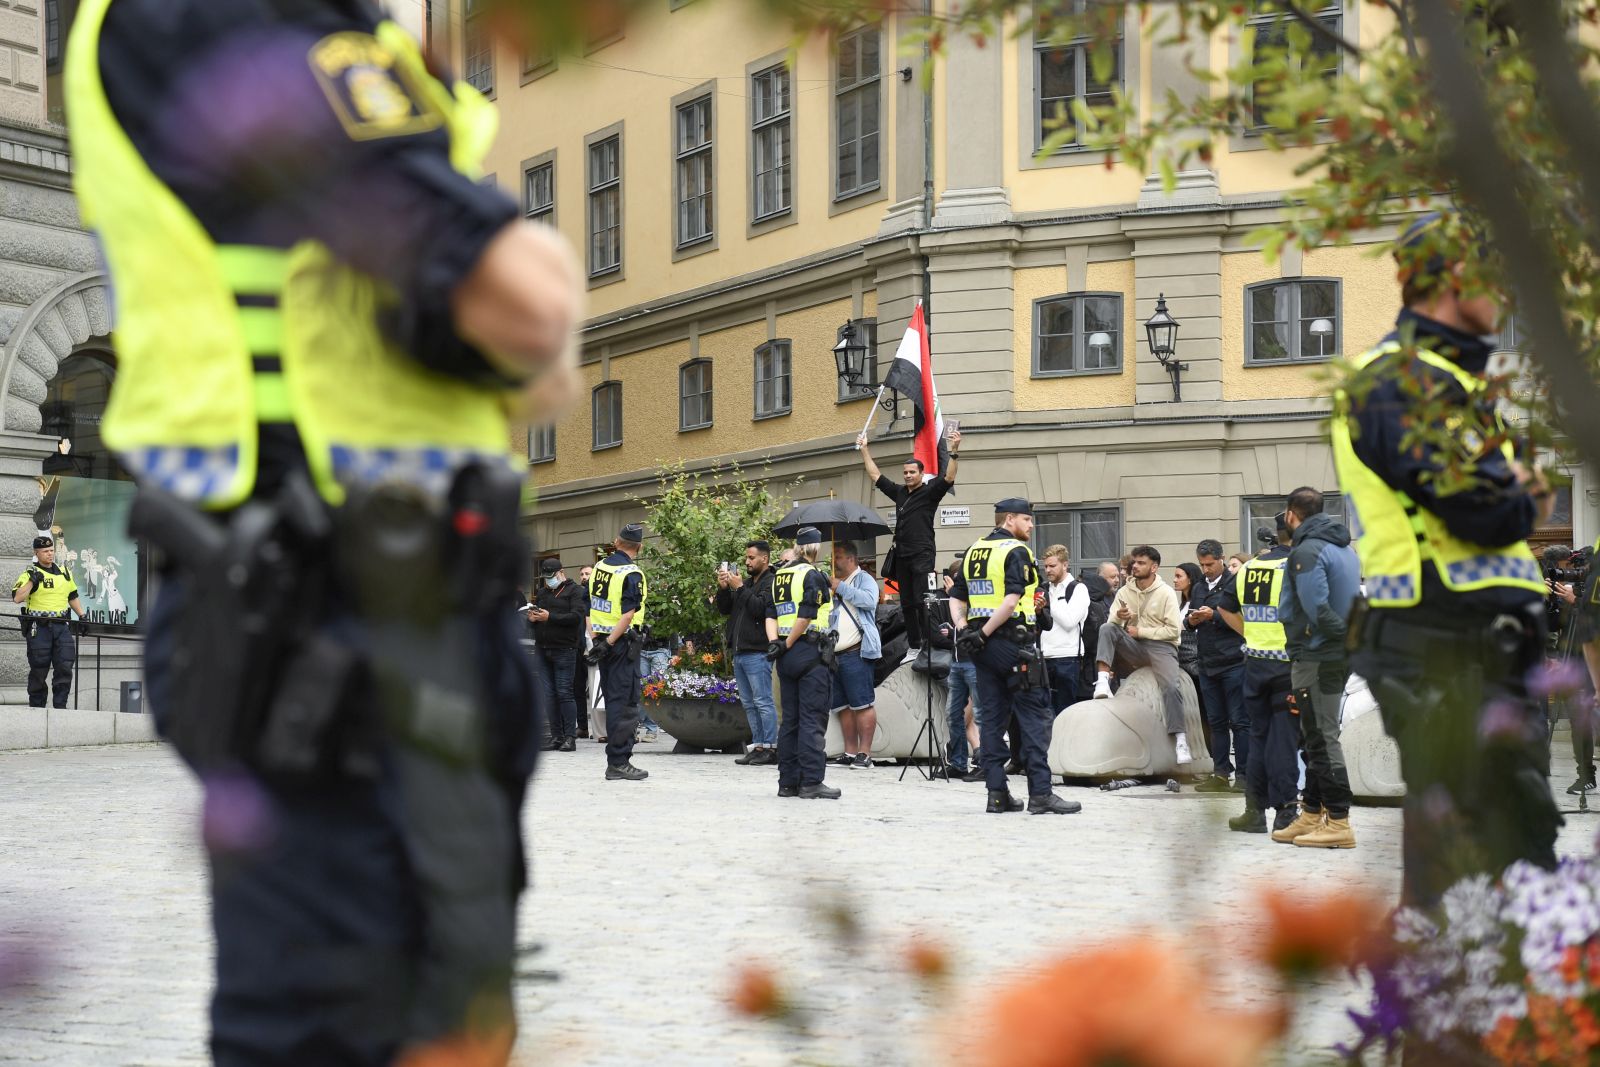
[820,791]
[552,743]
[568,745]
[1253,821]
[1050,804]
[625,773]
[1285,815]
[788,790]
[1001,801]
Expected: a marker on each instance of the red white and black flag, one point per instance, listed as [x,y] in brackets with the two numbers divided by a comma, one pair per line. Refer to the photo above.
[911,375]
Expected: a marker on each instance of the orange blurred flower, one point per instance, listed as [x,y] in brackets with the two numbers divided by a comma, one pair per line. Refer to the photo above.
[1310,934]
[755,992]
[488,1050]
[927,959]
[1139,1003]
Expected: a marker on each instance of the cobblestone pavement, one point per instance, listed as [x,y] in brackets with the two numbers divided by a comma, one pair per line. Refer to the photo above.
[649,895]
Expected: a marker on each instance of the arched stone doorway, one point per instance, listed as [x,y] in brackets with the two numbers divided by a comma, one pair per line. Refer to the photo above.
[56,370]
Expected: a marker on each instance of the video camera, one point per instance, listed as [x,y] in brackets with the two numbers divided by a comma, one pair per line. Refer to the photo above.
[1560,565]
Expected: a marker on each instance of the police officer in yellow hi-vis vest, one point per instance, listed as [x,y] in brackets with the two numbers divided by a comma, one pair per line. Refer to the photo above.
[997,628]
[801,644]
[1250,607]
[618,591]
[49,599]
[324,324]
[1453,618]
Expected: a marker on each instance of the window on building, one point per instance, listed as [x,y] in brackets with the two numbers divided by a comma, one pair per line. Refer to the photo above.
[477,49]
[772,379]
[52,35]
[427,24]
[538,62]
[539,193]
[606,410]
[542,443]
[1064,72]
[694,165]
[866,332]
[1271,25]
[605,206]
[1077,334]
[857,113]
[1292,320]
[694,395]
[1092,533]
[771,136]
[1258,512]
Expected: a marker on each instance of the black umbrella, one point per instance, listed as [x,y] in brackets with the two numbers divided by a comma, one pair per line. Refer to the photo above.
[839,520]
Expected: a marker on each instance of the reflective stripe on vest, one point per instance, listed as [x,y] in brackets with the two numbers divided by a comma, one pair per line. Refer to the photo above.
[215,341]
[605,596]
[1394,535]
[984,567]
[788,587]
[1260,588]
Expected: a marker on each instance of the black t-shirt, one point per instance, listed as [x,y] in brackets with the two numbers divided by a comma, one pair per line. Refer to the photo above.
[914,511]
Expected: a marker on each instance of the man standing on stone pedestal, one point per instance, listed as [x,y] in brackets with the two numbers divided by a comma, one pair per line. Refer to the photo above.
[1144,630]
[911,558]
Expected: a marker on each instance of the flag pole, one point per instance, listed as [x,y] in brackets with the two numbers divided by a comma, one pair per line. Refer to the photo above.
[871,416]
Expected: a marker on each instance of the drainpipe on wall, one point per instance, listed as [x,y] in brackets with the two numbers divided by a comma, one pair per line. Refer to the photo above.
[927,165]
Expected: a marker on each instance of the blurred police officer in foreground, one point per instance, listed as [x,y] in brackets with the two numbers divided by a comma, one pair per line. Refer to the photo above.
[49,599]
[324,321]
[1454,617]
[617,594]
[801,644]
[1250,606]
[991,603]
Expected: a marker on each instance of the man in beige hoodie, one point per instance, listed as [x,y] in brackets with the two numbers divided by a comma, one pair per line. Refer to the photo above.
[1144,631]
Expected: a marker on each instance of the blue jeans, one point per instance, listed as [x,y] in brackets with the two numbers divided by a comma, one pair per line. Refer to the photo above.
[1222,697]
[655,661]
[753,673]
[963,683]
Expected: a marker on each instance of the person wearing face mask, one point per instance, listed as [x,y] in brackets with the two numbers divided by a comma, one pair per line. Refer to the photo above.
[557,618]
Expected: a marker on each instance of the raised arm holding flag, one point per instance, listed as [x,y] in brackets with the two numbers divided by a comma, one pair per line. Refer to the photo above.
[916,499]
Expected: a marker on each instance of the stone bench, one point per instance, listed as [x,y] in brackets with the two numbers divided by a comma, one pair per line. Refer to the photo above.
[1126,736]
[901,703]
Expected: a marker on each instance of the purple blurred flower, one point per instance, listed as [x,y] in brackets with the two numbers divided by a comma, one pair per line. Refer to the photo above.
[238,814]
[23,961]
[1556,678]
[1503,720]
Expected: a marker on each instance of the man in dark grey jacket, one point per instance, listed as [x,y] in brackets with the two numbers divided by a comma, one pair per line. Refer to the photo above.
[1324,577]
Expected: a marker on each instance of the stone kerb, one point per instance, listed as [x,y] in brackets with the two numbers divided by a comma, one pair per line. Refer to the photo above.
[1126,736]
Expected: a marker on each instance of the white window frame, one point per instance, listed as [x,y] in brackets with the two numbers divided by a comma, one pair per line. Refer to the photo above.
[704,385]
[477,50]
[542,443]
[534,209]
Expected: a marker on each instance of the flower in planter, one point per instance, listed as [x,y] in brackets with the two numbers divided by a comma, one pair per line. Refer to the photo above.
[1308,935]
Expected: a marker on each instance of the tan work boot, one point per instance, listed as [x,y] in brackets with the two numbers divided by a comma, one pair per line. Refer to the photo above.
[1335,833]
[1309,819]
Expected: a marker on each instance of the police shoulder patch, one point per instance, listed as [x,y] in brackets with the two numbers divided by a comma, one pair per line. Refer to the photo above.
[371,92]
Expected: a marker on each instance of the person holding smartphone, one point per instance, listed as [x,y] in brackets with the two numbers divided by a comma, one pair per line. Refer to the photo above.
[744,599]
[557,619]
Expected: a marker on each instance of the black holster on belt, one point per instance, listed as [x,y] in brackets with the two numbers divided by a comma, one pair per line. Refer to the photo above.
[825,640]
[245,667]
[1029,672]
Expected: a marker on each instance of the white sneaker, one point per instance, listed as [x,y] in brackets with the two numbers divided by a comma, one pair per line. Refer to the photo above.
[1102,689]
[1182,747]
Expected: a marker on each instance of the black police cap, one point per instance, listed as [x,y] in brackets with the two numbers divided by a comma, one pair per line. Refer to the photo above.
[632,532]
[808,535]
[43,542]
[1013,505]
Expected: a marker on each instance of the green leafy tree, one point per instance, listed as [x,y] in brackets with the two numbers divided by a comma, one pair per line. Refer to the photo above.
[697,520]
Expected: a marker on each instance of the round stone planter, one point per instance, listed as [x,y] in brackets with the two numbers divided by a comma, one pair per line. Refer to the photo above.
[702,724]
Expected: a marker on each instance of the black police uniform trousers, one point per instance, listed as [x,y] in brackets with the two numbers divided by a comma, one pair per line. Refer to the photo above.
[51,648]
[622,689]
[1474,746]
[1272,773]
[805,687]
[1028,709]
[355,916]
